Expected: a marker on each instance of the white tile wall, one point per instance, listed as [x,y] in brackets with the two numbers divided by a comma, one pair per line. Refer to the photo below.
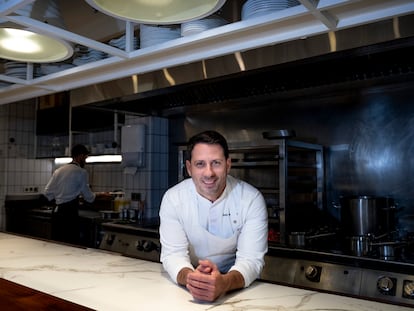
[17,163]
[19,169]
[151,180]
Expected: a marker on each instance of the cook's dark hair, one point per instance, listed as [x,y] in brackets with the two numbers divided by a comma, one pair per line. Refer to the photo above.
[208,137]
[79,150]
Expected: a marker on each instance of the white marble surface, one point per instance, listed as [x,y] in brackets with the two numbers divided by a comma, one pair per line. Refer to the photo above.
[105,281]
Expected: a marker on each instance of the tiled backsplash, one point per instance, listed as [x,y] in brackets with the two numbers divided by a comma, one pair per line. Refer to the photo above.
[20,171]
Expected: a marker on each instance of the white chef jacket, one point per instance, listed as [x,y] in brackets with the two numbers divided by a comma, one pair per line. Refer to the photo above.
[67,183]
[231,232]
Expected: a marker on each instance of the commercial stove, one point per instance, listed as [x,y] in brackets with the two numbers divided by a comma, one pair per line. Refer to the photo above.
[133,239]
[366,277]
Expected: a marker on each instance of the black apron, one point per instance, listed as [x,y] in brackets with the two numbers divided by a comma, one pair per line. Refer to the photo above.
[65,222]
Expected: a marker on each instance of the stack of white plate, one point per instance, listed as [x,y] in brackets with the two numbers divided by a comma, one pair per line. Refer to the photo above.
[86,55]
[120,43]
[19,70]
[200,25]
[155,34]
[255,8]
[55,67]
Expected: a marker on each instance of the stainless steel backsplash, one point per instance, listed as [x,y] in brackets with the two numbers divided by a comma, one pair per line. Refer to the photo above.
[368,137]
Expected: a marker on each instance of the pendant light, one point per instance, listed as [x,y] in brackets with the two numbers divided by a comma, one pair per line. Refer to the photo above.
[160,12]
[23,44]
[27,46]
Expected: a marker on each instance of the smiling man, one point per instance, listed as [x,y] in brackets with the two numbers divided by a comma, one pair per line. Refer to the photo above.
[213,226]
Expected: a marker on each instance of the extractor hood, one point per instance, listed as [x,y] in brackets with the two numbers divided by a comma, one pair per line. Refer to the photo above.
[297,68]
[315,27]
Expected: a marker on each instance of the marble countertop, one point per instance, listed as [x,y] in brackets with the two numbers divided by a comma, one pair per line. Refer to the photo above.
[106,281]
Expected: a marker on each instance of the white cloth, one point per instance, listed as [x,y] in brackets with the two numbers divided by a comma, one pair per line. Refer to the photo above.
[231,232]
[67,183]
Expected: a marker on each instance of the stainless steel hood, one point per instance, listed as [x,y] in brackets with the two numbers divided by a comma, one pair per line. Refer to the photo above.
[368,54]
[308,29]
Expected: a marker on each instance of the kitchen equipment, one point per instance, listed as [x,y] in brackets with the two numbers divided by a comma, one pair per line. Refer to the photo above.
[297,239]
[389,250]
[138,240]
[289,174]
[367,257]
[110,215]
[360,215]
[360,245]
[27,214]
[386,252]
[301,239]
[368,278]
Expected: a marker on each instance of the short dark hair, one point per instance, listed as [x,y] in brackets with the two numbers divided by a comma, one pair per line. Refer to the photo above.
[208,137]
[79,150]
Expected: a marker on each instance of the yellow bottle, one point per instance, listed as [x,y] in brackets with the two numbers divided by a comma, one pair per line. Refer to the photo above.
[118,203]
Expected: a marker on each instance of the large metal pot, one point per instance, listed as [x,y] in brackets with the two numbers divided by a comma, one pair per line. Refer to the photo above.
[365,215]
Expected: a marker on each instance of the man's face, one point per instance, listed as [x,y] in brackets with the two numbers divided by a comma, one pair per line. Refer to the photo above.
[208,169]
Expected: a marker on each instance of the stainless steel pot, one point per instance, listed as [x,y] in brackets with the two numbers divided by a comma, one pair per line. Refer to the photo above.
[297,239]
[360,245]
[360,215]
[388,250]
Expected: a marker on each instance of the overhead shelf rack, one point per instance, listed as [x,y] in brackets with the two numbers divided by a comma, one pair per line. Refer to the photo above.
[310,18]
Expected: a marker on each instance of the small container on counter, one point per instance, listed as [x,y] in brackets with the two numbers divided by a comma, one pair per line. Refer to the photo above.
[120,202]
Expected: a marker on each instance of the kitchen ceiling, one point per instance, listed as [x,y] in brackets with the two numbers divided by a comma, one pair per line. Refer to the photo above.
[88,28]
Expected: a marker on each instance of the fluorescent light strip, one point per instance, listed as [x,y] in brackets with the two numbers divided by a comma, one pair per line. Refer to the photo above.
[105,158]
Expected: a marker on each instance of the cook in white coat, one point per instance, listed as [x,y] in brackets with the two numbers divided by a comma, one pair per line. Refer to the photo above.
[213,226]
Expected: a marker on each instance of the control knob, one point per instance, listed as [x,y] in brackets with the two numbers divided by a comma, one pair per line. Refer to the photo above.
[385,285]
[409,289]
[312,273]
[146,246]
[110,238]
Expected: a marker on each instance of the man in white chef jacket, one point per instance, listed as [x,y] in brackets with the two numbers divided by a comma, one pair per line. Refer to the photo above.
[213,227]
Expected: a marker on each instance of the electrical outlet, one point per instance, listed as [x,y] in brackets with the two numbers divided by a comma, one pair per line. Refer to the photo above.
[30,189]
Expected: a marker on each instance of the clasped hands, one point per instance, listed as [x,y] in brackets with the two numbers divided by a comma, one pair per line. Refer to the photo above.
[206,283]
